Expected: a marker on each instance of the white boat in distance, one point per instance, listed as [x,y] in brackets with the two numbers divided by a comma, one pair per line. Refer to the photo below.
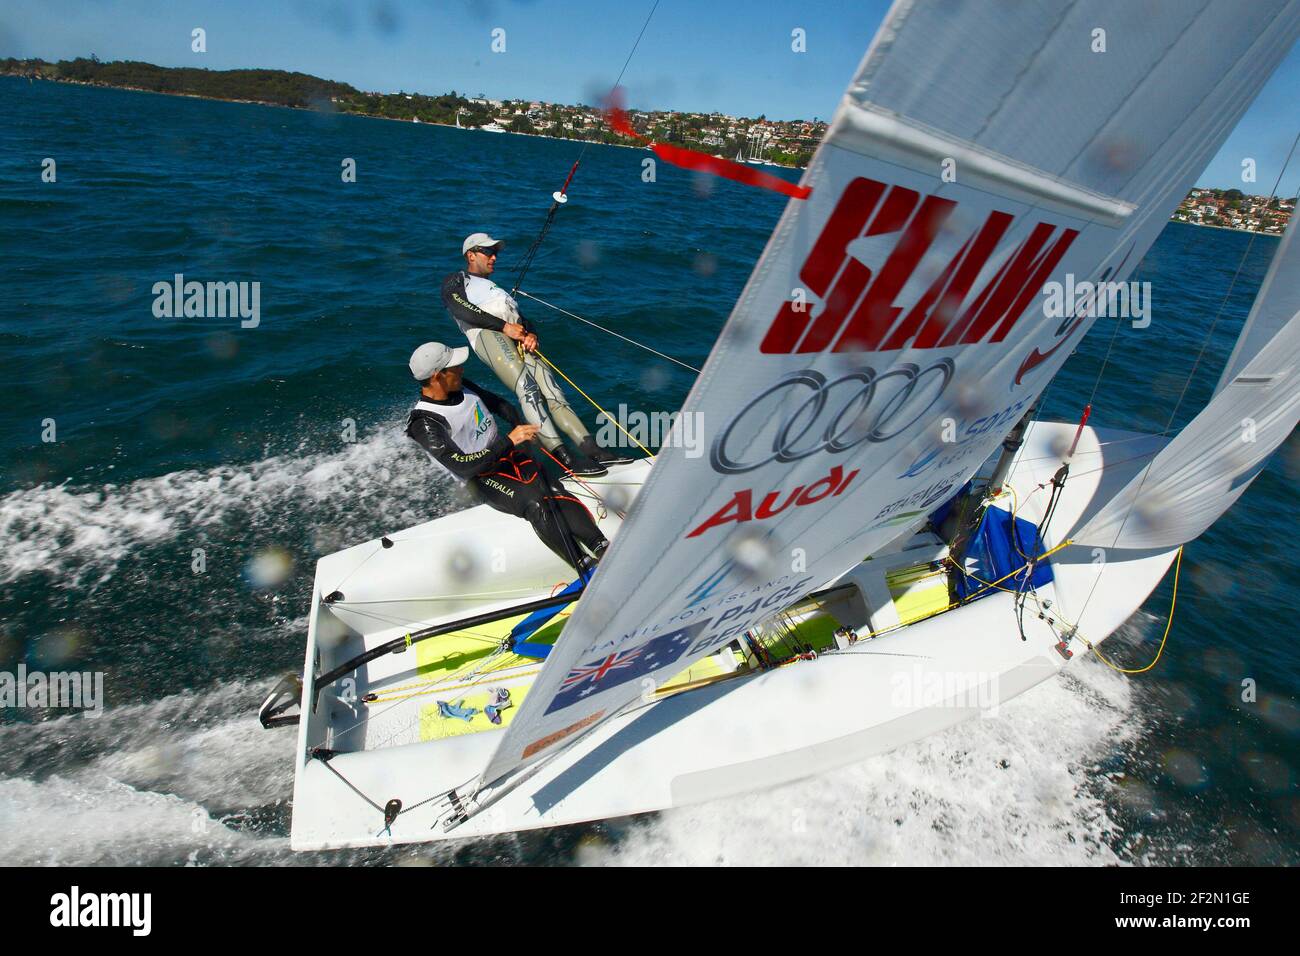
[854,563]
[493,128]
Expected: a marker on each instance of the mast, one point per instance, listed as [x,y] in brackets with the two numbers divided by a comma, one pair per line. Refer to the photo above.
[813,405]
[1010,446]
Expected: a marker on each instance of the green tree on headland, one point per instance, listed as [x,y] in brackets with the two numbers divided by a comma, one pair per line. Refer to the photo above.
[712,133]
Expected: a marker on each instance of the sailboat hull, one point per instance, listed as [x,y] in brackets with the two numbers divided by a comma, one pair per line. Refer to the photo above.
[735,732]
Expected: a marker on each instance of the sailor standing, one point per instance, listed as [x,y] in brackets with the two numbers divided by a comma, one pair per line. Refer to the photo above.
[453,421]
[489,317]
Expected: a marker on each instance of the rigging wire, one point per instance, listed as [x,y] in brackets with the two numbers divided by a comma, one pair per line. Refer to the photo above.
[590,490]
[527,261]
[1173,603]
[608,417]
[1025,586]
[1205,342]
[602,328]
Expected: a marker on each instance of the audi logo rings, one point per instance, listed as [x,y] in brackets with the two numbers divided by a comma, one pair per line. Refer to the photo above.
[847,428]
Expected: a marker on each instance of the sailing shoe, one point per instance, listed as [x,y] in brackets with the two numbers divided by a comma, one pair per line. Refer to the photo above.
[587,563]
[603,456]
[578,464]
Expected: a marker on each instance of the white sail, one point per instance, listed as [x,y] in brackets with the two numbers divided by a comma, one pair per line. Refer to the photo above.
[893,330]
[1197,476]
[1275,306]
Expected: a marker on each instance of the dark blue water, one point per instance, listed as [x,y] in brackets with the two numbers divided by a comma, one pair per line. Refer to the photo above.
[179,436]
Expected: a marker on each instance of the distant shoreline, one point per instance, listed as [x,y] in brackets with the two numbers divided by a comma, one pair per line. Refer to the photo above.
[309,109]
[188,96]
[1206,225]
[395,119]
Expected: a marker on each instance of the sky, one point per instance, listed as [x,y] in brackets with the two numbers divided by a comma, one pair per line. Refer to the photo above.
[733,57]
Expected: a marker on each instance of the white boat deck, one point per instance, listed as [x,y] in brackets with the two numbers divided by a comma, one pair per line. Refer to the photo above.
[757,728]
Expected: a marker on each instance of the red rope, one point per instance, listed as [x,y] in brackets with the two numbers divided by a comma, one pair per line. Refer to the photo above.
[579,481]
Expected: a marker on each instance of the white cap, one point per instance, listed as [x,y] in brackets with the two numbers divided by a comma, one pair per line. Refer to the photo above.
[478,239]
[434,357]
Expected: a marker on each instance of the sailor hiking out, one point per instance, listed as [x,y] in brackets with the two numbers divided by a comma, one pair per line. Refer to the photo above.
[454,422]
[489,317]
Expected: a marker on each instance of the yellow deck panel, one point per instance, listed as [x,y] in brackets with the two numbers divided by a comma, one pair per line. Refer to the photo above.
[453,668]
[918,592]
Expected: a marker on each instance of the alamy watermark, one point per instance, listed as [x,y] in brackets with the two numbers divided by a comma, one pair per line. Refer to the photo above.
[1119,300]
[75,908]
[208,300]
[920,687]
[73,690]
[664,429]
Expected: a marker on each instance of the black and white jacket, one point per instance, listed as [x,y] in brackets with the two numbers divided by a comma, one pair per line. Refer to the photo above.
[460,433]
[462,296]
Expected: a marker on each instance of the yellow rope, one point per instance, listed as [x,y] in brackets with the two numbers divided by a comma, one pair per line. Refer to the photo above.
[971,597]
[1064,544]
[608,416]
[423,688]
[391,694]
[1168,624]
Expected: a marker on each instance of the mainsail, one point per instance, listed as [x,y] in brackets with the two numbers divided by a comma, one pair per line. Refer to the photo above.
[893,330]
[1210,463]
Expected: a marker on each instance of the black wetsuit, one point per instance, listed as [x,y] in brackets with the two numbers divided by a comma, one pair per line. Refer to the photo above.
[504,475]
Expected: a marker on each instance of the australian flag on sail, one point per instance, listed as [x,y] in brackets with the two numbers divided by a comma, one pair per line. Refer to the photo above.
[623,666]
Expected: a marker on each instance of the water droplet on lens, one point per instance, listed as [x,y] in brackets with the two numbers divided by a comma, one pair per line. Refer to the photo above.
[705,265]
[460,564]
[268,567]
[588,253]
[654,378]
[1185,768]
[753,553]
[617,498]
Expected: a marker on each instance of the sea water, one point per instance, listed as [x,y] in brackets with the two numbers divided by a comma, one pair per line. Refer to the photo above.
[166,537]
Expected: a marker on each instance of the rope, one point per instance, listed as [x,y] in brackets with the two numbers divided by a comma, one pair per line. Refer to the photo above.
[444,684]
[1015,504]
[1187,382]
[1241,264]
[1173,603]
[592,491]
[608,417]
[971,597]
[602,328]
